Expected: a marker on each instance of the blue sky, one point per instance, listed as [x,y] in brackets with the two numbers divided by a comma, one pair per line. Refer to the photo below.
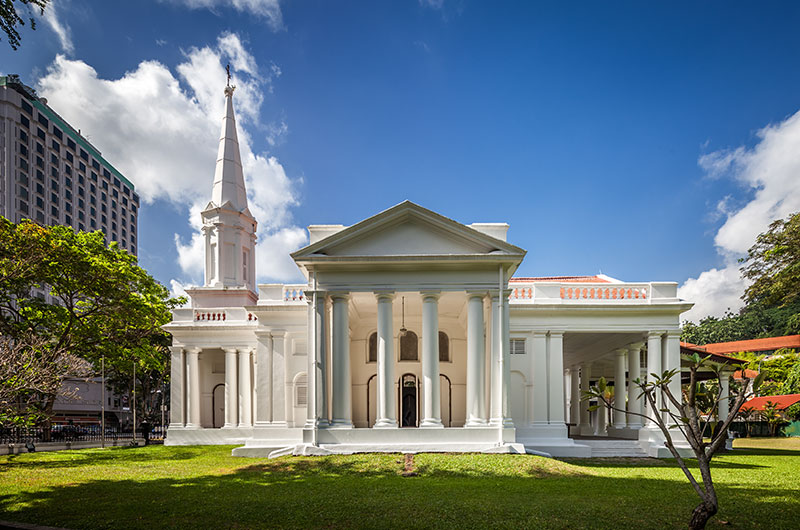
[645,141]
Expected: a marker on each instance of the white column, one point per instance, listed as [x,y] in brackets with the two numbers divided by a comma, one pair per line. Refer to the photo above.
[634,373]
[314,321]
[495,373]
[177,388]
[231,392]
[654,367]
[723,407]
[476,361]
[264,379]
[671,360]
[506,357]
[538,405]
[585,424]
[245,389]
[600,427]
[342,404]
[193,390]
[431,396]
[575,395]
[555,368]
[386,390]
[278,345]
[321,369]
[620,393]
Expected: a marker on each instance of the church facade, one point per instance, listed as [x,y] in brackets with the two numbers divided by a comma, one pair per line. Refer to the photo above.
[411,334]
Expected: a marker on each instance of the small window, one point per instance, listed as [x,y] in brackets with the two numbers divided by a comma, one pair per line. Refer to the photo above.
[84,155]
[372,352]
[27,107]
[444,347]
[41,134]
[25,121]
[57,132]
[409,344]
[71,143]
[517,346]
[44,121]
[301,391]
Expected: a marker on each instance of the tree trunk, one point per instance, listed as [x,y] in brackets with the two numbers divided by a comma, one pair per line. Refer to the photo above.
[701,514]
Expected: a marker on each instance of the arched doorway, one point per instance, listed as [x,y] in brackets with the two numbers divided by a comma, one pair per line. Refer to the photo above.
[408,402]
[218,406]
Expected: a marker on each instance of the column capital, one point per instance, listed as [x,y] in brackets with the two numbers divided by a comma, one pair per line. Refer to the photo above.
[621,352]
[477,293]
[556,333]
[654,333]
[176,349]
[263,334]
[194,349]
[387,294]
[309,293]
[339,295]
[538,333]
[673,333]
[230,349]
[636,346]
[428,294]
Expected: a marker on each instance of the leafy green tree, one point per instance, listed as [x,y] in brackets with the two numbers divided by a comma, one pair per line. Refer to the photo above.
[106,305]
[10,17]
[793,412]
[686,418]
[772,416]
[773,264]
[746,413]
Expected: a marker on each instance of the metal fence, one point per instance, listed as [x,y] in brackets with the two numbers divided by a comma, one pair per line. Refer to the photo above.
[70,433]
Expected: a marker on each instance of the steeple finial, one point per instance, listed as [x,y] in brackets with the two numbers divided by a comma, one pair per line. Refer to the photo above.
[228,87]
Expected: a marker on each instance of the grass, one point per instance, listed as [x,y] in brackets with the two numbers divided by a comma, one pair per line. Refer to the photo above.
[204,487]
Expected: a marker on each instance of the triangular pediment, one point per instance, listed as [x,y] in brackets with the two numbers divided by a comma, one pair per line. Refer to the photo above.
[407,230]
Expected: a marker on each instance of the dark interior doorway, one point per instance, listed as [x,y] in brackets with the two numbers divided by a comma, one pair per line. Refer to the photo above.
[408,400]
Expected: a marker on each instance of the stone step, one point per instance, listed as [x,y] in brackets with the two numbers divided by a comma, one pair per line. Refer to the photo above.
[615,448]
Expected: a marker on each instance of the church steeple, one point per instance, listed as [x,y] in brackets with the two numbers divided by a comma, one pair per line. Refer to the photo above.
[228,176]
[228,226]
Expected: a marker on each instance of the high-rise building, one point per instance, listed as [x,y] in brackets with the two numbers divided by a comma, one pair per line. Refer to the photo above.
[51,174]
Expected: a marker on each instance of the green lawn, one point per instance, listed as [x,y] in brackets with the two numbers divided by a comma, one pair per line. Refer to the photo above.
[204,487]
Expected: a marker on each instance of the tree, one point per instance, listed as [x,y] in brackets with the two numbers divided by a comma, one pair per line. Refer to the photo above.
[685,418]
[29,372]
[106,305]
[10,18]
[746,413]
[773,264]
[772,416]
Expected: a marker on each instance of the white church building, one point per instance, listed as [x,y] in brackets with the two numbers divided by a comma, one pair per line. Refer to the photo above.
[411,334]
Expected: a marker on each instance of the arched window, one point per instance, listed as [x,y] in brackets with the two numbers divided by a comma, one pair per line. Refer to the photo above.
[301,390]
[408,347]
[372,354]
[444,347]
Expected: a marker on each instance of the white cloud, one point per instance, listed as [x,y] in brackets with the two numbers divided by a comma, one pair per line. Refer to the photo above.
[268,9]
[176,288]
[161,130]
[60,28]
[770,170]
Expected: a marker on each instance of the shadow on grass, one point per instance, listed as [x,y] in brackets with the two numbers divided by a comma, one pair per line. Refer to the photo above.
[370,493]
[655,463]
[94,457]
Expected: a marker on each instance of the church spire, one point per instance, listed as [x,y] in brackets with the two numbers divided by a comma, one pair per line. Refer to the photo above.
[228,176]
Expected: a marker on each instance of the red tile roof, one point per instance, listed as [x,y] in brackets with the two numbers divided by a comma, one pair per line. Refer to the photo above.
[562,279]
[688,348]
[751,374]
[781,402]
[754,345]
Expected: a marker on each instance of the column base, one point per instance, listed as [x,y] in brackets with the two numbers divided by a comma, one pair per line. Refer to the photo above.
[229,426]
[176,426]
[431,423]
[385,424]
[476,422]
[245,426]
[340,424]
[192,426]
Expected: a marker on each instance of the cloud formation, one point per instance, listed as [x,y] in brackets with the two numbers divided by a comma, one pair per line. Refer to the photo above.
[56,23]
[174,122]
[268,9]
[770,171]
